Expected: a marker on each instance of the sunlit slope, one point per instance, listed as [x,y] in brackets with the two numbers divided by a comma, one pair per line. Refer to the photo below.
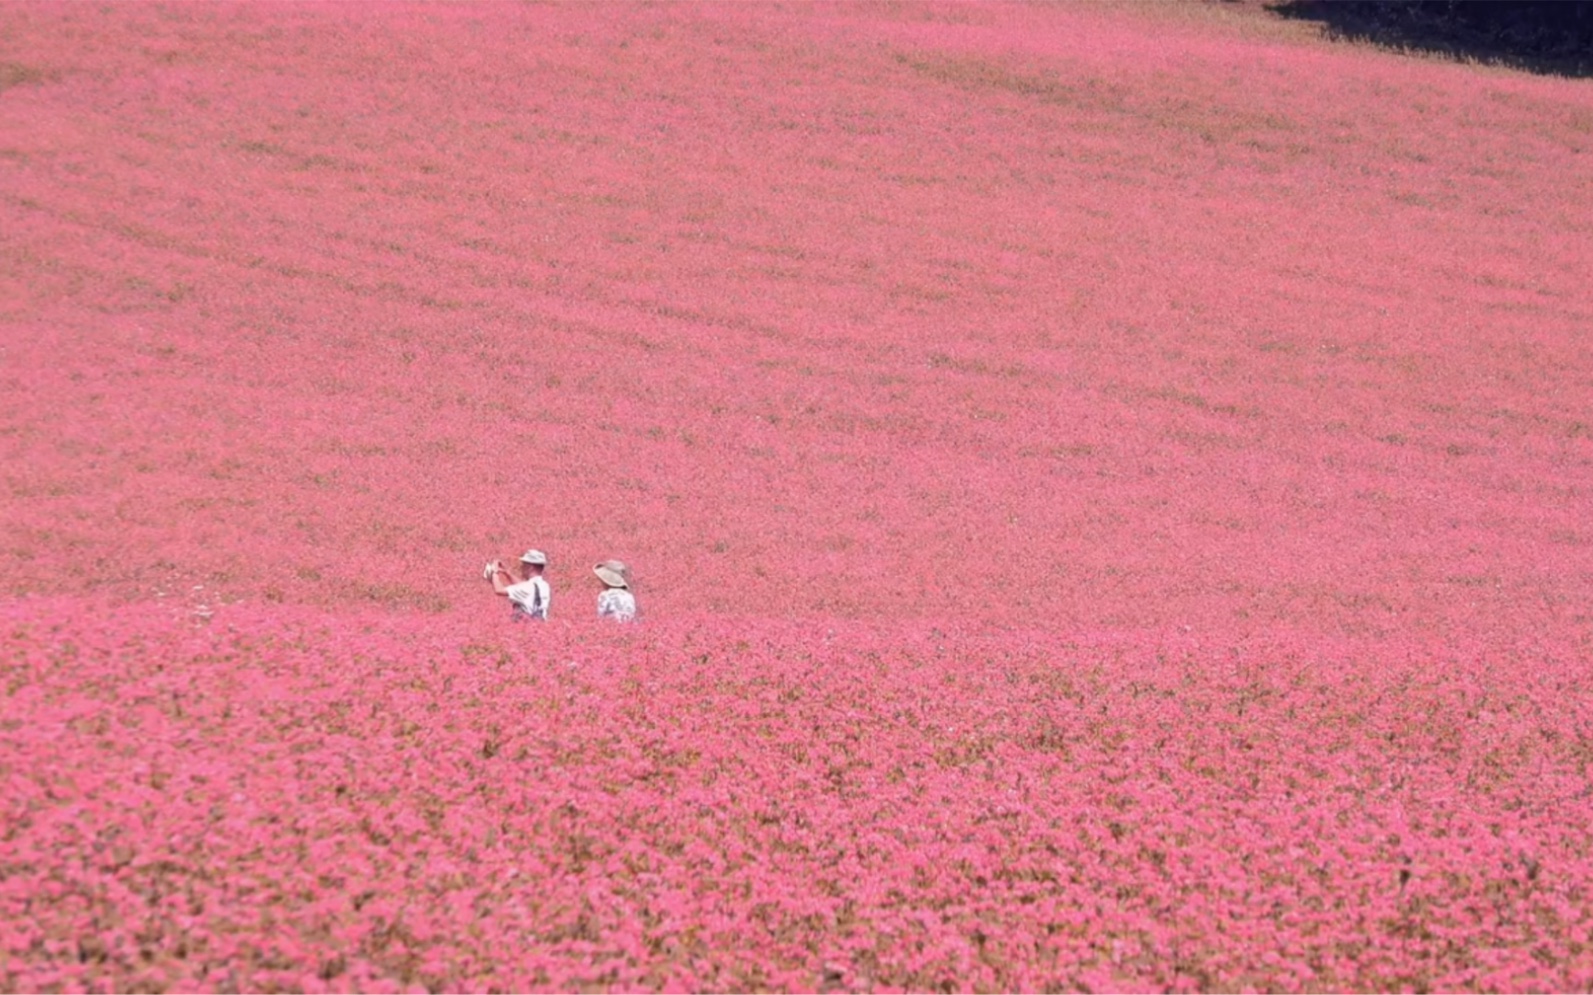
[1013,314]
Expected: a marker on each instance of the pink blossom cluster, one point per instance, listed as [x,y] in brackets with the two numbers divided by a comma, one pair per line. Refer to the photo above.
[281,800]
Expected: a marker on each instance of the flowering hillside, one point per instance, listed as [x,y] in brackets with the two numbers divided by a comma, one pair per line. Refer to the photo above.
[1122,323]
[1108,488]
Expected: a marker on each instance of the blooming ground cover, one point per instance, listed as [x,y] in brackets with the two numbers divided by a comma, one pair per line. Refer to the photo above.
[1108,488]
[300,802]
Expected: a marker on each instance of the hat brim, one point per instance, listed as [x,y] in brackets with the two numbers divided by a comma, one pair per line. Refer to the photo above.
[610,577]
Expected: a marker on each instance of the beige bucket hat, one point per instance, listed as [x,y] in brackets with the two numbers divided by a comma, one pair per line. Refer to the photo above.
[613,573]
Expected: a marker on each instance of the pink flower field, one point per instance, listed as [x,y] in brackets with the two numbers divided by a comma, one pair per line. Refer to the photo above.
[1108,485]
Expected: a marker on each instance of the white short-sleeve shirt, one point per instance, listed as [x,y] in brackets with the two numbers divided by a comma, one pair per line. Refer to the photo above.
[616,603]
[531,597]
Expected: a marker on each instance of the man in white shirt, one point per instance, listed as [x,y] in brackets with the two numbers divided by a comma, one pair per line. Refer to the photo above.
[529,594]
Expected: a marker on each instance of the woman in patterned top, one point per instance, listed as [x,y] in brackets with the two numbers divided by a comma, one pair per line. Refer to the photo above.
[616,602]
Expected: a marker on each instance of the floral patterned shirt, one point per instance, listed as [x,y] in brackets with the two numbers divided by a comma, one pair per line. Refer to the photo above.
[616,603]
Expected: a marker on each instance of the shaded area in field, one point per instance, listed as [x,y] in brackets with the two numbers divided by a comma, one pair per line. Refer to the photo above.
[1553,38]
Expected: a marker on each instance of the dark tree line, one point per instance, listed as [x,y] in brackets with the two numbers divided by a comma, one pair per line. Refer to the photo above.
[1552,36]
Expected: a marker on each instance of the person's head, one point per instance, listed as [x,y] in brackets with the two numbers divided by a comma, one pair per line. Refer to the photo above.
[533,562]
[613,573]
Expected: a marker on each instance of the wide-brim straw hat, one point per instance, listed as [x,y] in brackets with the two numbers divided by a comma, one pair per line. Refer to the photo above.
[613,573]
